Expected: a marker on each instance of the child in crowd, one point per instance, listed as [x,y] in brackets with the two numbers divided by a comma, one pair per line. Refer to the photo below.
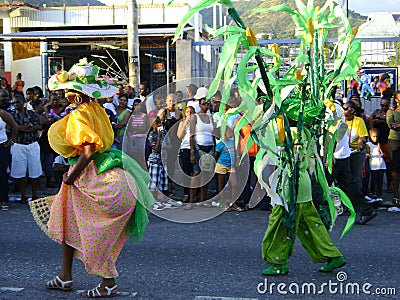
[377,164]
[158,142]
[225,157]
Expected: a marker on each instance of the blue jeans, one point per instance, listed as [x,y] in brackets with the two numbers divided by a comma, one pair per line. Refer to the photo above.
[47,163]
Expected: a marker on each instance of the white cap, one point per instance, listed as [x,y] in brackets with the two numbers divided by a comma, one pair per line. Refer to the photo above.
[201,93]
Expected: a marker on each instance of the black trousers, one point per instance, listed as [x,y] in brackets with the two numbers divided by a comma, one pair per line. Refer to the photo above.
[187,168]
[346,181]
[5,159]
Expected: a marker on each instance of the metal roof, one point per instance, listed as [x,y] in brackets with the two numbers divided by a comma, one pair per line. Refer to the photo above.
[75,34]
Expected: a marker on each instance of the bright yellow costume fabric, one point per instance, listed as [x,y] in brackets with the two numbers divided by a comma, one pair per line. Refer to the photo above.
[87,124]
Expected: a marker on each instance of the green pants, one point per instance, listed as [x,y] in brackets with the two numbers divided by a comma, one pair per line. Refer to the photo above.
[276,248]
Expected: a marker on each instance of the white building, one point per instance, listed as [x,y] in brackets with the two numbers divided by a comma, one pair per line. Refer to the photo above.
[378,29]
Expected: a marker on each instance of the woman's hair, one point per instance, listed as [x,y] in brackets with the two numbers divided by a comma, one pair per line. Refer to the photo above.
[123,95]
[53,94]
[191,108]
[394,99]
[38,90]
[353,106]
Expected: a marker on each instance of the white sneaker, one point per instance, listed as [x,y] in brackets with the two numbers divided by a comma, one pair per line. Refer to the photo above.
[167,205]
[394,209]
[174,203]
[158,206]
[369,199]
[13,199]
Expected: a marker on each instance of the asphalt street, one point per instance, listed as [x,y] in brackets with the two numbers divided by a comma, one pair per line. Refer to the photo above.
[219,259]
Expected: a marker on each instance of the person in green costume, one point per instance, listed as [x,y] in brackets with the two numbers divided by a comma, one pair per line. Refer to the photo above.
[313,235]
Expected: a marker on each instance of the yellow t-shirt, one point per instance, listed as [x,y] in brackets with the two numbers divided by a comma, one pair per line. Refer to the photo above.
[88,124]
[356,130]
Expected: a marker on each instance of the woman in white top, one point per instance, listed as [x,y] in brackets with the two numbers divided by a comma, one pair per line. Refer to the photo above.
[184,150]
[5,145]
[201,144]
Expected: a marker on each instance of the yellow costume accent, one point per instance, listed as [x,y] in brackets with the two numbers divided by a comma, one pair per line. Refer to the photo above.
[88,124]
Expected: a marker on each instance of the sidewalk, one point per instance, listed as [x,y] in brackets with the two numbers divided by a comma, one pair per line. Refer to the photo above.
[15,196]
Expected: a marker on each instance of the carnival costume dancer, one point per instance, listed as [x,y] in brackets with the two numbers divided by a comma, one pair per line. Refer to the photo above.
[271,101]
[97,206]
[312,233]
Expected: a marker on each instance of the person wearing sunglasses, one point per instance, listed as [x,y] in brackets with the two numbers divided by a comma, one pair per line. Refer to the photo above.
[201,143]
[342,174]
[357,134]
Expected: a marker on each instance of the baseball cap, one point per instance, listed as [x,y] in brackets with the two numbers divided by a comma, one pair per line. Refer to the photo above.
[201,93]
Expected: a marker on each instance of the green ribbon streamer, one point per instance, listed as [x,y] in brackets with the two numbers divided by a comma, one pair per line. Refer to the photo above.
[320,176]
[346,202]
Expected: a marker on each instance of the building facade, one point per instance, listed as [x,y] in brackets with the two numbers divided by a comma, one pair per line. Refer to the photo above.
[43,40]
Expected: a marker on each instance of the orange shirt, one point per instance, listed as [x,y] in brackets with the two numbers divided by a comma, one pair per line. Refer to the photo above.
[244,136]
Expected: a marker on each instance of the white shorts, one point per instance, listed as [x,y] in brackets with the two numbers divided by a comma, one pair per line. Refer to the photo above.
[26,157]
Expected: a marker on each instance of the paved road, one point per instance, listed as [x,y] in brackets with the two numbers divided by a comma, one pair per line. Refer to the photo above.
[218,259]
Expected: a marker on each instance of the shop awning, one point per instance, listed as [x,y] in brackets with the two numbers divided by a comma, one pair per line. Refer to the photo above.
[51,35]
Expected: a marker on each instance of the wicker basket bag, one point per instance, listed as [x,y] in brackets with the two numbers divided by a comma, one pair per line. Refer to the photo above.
[40,209]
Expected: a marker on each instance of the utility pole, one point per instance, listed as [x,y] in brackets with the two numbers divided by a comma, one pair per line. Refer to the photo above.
[133,45]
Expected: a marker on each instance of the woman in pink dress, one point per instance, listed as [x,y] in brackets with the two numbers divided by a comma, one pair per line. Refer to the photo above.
[96,209]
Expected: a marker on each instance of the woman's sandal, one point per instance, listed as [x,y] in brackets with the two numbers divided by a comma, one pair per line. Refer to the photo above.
[95,293]
[57,284]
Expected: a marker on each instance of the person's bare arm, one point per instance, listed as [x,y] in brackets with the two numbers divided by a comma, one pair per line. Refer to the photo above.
[84,159]
[124,120]
[193,122]
[182,127]
[10,122]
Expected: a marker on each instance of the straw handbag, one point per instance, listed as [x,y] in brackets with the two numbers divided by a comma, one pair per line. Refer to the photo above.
[40,209]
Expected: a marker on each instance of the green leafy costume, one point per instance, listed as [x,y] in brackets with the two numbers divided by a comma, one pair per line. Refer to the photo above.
[302,95]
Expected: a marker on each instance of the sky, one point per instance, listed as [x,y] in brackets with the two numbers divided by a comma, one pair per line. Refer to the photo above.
[366,6]
[361,6]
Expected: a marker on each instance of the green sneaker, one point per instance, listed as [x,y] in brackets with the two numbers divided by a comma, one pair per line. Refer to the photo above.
[333,264]
[276,270]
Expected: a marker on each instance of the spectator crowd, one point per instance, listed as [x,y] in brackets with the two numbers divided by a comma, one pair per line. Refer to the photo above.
[170,132]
